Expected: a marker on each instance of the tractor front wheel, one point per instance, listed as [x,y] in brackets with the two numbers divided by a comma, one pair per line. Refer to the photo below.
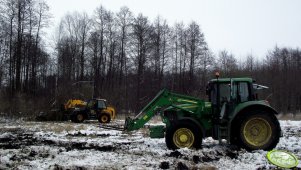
[259,130]
[104,118]
[183,134]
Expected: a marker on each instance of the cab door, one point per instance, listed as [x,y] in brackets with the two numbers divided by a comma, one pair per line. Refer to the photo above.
[240,92]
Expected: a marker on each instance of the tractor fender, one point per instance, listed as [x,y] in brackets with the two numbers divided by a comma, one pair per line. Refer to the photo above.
[243,108]
[111,111]
[198,124]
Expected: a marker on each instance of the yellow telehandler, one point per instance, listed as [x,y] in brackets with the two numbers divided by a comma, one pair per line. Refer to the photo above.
[78,110]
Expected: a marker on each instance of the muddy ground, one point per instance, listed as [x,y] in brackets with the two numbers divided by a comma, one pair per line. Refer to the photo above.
[65,145]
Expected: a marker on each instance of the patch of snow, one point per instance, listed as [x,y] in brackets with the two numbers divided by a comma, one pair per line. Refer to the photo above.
[64,145]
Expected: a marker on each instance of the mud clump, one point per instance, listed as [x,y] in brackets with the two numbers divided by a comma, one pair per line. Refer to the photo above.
[267,168]
[48,142]
[108,148]
[209,158]
[13,158]
[16,141]
[232,154]
[79,146]
[85,146]
[59,167]
[19,139]
[182,166]
[164,165]
[32,153]
[196,159]
[103,135]
[78,134]
[175,154]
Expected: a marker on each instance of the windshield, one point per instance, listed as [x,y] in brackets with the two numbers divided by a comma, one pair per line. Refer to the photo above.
[96,104]
[241,92]
[224,93]
[101,104]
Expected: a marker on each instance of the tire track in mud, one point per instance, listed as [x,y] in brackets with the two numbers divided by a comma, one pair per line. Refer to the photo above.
[18,138]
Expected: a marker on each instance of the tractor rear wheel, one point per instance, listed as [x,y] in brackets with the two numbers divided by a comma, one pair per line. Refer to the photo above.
[104,118]
[183,134]
[259,130]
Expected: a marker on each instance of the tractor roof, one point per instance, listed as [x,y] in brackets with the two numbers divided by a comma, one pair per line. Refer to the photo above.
[228,80]
[99,99]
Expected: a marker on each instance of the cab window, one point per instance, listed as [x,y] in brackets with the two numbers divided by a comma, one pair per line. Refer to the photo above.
[101,104]
[241,92]
[224,93]
[91,104]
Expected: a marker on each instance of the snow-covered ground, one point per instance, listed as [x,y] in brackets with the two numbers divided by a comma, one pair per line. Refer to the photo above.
[65,145]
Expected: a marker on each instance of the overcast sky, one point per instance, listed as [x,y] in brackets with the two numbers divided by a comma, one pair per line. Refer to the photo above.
[240,26]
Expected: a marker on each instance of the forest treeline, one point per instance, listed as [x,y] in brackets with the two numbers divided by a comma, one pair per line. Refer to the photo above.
[124,58]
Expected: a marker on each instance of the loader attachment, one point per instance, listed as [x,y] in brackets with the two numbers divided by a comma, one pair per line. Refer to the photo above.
[112,126]
[161,101]
[129,123]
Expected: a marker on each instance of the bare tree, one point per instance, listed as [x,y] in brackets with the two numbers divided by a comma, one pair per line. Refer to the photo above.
[160,47]
[196,47]
[84,24]
[227,63]
[42,20]
[124,19]
[141,46]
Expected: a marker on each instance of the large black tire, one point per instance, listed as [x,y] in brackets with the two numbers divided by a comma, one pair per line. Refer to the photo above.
[189,131]
[77,117]
[104,118]
[258,129]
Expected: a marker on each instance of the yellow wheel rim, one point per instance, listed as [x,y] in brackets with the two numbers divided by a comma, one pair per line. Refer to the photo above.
[80,117]
[104,118]
[257,131]
[183,137]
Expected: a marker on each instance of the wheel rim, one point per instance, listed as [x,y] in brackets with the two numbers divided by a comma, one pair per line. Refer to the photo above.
[80,117]
[183,137]
[104,118]
[257,131]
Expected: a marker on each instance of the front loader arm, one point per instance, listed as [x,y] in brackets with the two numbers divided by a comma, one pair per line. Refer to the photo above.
[162,100]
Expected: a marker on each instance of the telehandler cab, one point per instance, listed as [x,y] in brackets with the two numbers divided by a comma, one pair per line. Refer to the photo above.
[233,112]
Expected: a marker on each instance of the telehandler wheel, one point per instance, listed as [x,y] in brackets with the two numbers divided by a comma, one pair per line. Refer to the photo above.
[104,118]
[77,117]
[183,134]
[80,117]
[259,130]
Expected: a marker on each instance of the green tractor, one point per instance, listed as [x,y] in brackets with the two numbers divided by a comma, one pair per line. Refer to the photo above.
[233,113]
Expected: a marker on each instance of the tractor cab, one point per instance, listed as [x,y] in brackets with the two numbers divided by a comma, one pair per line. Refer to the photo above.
[239,116]
[236,90]
[226,93]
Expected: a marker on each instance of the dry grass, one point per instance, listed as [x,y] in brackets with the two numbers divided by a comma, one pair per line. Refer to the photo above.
[289,116]
[57,127]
